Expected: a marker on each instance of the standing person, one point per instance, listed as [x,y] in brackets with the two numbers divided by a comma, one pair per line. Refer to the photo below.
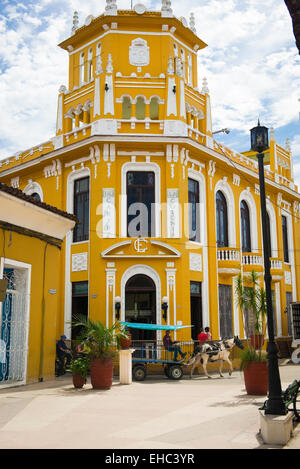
[209,336]
[202,337]
[62,352]
[170,346]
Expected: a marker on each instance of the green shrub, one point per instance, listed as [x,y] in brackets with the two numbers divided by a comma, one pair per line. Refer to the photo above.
[249,354]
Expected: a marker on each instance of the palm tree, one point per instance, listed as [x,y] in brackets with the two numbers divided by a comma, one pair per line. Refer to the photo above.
[252,301]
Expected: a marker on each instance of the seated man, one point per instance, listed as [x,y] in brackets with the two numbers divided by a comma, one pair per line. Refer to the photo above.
[62,352]
[171,347]
[202,337]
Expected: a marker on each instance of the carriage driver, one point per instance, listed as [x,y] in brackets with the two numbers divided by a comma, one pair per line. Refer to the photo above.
[172,347]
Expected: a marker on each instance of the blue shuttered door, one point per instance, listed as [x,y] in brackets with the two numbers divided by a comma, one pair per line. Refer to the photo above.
[6,326]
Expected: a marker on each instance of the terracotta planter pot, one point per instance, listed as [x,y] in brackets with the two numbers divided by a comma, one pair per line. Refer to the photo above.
[102,373]
[125,343]
[78,381]
[256,378]
[257,341]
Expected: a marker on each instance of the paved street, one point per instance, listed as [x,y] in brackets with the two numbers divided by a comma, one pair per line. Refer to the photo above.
[157,413]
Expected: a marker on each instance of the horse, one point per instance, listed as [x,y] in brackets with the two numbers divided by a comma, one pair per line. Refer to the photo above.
[219,351]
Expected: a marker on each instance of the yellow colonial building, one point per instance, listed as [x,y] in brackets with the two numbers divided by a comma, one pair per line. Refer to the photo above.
[167,214]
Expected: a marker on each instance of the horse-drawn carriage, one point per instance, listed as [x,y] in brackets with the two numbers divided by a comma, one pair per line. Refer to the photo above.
[153,352]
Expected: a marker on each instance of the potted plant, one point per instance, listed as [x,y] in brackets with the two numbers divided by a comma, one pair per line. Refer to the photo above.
[255,368]
[252,301]
[99,345]
[79,369]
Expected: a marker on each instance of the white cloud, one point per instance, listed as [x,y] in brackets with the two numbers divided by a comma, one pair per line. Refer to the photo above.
[251,63]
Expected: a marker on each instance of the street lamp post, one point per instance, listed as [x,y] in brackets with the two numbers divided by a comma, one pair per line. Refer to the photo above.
[275,404]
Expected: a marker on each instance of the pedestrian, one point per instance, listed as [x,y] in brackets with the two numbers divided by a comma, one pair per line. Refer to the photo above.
[172,347]
[209,336]
[63,353]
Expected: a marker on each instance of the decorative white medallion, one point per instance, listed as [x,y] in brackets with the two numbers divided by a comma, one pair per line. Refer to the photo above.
[140,245]
[195,262]
[139,53]
[79,262]
[139,8]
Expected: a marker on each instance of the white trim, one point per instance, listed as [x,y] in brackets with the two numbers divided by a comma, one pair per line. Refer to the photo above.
[273,228]
[34,187]
[248,198]
[278,309]
[203,241]
[72,177]
[223,186]
[154,138]
[143,166]
[10,263]
[136,33]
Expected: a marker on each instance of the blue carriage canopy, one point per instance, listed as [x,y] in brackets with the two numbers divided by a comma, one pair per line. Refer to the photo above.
[152,327]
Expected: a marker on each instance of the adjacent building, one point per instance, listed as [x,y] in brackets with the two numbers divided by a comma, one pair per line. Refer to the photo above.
[31,236]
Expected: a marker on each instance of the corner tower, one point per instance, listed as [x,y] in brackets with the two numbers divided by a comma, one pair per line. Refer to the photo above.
[133,72]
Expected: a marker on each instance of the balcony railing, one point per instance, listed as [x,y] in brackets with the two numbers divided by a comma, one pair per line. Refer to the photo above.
[276,263]
[252,259]
[227,254]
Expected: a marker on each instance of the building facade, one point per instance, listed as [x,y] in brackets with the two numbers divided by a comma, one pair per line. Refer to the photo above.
[167,214]
[30,253]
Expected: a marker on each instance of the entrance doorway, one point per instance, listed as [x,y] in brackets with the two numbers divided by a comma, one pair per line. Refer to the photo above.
[140,305]
[196,308]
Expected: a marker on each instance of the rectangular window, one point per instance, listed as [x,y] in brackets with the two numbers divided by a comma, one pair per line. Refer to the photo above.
[285,239]
[79,305]
[225,311]
[81,209]
[140,203]
[194,213]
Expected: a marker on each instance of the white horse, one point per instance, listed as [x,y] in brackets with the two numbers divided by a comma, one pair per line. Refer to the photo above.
[219,352]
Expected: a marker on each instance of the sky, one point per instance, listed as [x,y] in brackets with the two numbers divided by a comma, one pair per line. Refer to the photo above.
[251,63]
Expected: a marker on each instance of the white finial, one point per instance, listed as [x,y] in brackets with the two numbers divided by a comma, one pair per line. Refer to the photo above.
[109,66]
[288,144]
[170,70]
[111,8]
[192,23]
[272,135]
[75,22]
[166,10]
[204,86]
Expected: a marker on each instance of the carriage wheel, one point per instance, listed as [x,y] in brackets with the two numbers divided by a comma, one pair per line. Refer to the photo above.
[295,401]
[175,372]
[139,373]
[166,371]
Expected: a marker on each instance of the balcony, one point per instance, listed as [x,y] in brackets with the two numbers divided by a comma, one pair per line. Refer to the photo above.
[229,261]
[252,261]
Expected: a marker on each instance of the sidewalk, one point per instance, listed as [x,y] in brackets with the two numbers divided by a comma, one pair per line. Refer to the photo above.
[154,414]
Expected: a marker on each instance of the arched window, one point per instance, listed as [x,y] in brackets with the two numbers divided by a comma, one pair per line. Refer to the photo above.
[81,69]
[154,108]
[245,227]
[140,108]
[126,108]
[36,196]
[90,65]
[222,220]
